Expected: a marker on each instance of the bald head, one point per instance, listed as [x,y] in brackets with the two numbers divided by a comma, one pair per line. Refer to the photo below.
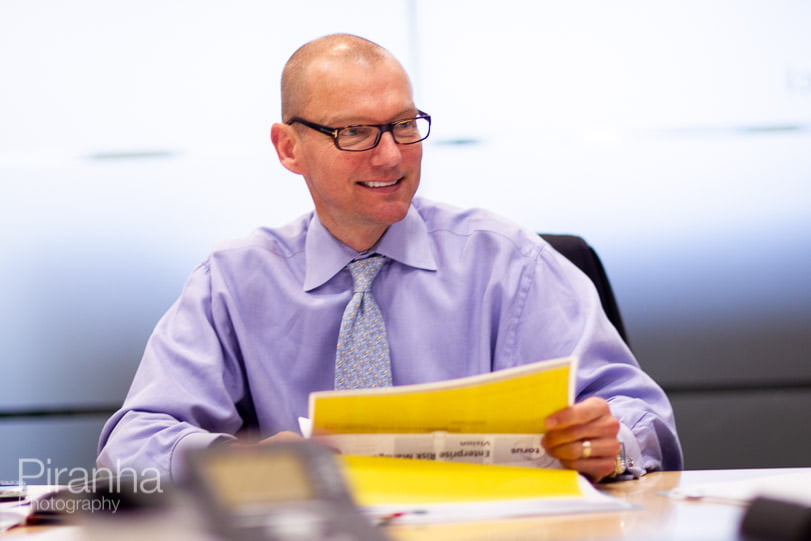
[298,73]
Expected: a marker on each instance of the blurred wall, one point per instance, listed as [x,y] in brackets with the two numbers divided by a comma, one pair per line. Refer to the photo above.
[674,136]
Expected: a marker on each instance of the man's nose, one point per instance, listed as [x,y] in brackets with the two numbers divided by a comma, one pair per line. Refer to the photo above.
[387,152]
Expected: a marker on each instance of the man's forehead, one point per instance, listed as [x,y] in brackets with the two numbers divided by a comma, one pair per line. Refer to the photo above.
[358,93]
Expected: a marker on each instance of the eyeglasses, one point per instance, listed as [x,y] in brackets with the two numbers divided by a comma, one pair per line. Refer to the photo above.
[360,137]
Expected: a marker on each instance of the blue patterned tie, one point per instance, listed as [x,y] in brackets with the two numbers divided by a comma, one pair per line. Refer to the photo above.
[362,358]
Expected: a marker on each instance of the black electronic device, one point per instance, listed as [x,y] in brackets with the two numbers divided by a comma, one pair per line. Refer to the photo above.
[770,519]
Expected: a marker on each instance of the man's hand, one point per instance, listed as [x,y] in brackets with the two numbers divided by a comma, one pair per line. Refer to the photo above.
[584,438]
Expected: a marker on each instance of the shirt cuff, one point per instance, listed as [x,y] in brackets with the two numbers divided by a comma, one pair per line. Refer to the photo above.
[633,454]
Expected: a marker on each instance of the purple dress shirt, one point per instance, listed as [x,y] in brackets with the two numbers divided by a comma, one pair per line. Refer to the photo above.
[464,292]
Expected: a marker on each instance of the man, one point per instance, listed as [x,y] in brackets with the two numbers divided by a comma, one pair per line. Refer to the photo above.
[460,293]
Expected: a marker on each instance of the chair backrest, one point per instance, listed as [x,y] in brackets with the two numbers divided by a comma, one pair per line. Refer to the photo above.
[579,252]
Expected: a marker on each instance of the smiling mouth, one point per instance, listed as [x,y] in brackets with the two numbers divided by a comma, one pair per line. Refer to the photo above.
[379,184]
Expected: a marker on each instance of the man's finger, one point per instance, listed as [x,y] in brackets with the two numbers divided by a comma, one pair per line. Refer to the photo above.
[580,413]
[594,469]
[606,426]
[586,449]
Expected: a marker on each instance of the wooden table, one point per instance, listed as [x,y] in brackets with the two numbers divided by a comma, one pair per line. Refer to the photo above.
[655,516]
[658,516]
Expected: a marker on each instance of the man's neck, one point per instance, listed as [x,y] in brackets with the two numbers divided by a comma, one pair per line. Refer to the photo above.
[360,240]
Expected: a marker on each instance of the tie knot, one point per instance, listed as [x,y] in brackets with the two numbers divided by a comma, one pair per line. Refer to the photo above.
[364,272]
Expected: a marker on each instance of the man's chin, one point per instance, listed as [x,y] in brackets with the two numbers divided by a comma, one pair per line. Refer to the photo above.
[391,213]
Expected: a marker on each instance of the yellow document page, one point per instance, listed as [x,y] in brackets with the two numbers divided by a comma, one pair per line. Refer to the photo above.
[511,401]
[385,481]
[401,490]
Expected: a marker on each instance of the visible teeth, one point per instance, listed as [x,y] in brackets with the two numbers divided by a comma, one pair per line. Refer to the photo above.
[380,184]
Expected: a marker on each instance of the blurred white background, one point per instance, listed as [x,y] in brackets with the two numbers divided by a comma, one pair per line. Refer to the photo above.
[673,135]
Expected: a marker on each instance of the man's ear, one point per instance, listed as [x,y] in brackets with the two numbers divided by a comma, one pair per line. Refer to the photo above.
[286,142]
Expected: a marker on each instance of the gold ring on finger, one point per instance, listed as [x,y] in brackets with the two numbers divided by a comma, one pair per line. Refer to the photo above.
[586,453]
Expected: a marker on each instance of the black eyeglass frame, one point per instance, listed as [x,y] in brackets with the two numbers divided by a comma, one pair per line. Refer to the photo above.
[381,129]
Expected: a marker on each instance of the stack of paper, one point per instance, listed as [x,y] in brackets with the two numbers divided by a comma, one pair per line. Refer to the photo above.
[414,491]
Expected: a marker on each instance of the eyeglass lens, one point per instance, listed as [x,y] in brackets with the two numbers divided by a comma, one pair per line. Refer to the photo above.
[366,137]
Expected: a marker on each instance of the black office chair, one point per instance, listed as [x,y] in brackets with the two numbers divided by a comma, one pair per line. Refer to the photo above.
[579,252]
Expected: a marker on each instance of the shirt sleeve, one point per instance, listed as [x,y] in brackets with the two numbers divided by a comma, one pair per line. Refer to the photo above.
[559,315]
[187,391]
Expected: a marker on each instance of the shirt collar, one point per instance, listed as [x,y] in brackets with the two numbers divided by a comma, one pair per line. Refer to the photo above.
[406,242]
